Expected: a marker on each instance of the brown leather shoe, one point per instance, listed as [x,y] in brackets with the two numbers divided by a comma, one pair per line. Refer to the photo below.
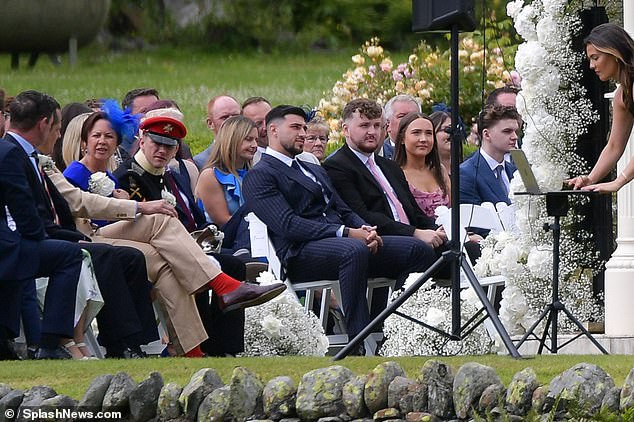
[249,295]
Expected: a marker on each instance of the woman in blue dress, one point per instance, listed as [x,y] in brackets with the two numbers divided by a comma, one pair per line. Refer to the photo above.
[219,185]
[99,142]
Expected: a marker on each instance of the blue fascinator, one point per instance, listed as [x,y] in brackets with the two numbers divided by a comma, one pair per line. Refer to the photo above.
[123,122]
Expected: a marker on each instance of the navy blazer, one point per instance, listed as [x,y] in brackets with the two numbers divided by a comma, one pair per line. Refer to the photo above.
[358,187]
[478,183]
[19,256]
[293,206]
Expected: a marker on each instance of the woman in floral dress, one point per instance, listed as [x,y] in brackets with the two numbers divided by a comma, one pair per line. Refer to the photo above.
[416,151]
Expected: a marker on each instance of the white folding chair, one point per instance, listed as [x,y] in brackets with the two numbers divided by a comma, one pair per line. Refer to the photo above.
[261,246]
[485,216]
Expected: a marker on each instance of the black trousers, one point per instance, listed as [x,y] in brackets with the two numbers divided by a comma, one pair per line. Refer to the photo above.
[127,317]
[225,330]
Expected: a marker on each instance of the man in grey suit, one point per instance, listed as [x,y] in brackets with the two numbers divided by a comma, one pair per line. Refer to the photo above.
[315,234]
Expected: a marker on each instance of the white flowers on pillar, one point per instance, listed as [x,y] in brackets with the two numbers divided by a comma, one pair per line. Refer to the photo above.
[556,112]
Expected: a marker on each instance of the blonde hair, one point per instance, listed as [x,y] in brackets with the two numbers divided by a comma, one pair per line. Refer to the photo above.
[226,147]
[71,143]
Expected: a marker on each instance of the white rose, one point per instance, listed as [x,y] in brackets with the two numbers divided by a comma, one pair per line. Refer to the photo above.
[514,7]
[272,326]
[435,317]
[168,197]
[100,184]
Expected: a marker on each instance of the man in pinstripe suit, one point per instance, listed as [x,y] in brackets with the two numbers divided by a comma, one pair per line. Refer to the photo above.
[315,234]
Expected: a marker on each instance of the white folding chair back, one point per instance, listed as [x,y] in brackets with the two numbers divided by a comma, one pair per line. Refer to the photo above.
[486,217]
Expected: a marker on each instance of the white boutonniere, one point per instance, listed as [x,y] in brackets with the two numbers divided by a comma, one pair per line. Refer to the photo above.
[168,197]
[100,184]
[45,162]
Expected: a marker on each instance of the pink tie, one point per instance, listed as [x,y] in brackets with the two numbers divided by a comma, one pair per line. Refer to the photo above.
[387,189]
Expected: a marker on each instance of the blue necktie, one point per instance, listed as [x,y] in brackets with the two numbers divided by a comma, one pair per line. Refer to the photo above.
[498,173]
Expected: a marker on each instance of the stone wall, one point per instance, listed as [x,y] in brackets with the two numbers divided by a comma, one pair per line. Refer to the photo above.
[335,394]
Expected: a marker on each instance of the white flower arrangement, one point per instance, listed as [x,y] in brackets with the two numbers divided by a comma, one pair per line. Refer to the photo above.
[100,184]
[556,112]
[45,162]
[432,305]
[281,327]
[168,197]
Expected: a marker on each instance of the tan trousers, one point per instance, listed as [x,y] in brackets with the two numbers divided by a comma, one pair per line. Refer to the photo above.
[176,265]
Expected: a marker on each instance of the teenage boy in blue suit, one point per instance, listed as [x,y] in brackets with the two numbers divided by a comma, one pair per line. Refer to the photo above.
[486,175]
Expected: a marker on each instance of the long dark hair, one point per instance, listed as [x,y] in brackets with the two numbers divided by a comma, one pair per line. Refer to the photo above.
[432,160]
[612,39]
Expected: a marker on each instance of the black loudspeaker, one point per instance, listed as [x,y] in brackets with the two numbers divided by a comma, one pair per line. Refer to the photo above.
[441,15]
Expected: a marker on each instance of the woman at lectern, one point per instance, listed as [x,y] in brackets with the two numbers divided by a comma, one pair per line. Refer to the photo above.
[610,51]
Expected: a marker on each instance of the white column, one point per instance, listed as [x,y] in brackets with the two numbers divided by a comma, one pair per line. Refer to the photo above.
[619,276]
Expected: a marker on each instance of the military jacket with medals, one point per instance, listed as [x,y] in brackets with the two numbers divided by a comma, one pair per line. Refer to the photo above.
[144,185]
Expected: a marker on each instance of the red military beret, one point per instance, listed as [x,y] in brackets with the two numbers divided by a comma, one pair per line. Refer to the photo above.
[164,130]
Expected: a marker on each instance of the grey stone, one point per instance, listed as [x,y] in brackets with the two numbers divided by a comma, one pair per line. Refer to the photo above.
[58,402]
[290,420]
[584,384]
[386,414]
[539,399]
[117,397]
[215,407]
[361,420]
[627,392]
[34,396]
[144,397]
[353,397]
[397,390]
[168,407]
[11,400]
[278,398]
[519,395]
[378,383]
[93,397]
[491,397]
[421,417]
[245,401]
[419,393]
[438,377]
[4,389]
[330,419]
[611,400]
[202,383]
[320,392]
[469,383]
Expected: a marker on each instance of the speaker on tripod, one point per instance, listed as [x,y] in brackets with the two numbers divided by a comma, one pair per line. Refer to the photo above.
[446,16]
[441,15]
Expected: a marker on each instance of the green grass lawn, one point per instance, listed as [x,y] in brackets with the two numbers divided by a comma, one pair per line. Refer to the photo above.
[191,78]
[188,76]
[72,377]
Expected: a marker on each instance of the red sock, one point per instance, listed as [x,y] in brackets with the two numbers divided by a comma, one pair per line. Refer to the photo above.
[195,353]
[223,284]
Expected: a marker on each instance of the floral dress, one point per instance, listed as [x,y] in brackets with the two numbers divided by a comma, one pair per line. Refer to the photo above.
[429,201]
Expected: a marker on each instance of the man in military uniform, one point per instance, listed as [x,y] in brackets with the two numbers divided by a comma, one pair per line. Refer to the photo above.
[147,177]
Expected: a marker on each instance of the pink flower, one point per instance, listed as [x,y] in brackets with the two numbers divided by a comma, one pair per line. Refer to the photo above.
[397,76]
[402,67]
[372,71]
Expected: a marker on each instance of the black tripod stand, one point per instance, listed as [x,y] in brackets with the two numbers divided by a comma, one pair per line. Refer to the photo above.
[453,257]
[557,206]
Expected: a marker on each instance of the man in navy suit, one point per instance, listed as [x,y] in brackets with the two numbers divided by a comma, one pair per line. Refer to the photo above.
[315,234]
[127,319]
[26,253]
[486,175]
